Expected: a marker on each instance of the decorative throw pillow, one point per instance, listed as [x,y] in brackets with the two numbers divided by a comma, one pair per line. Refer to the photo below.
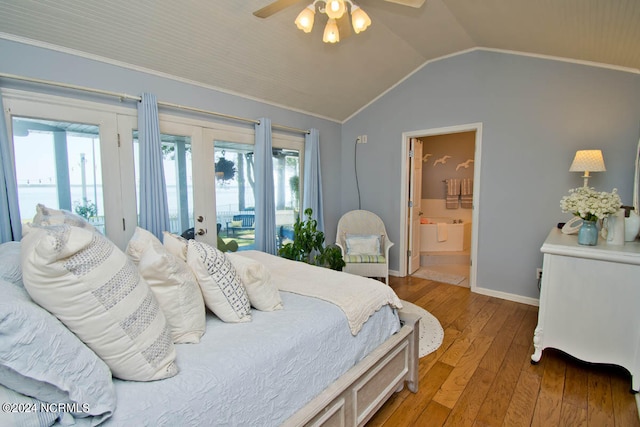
[177,245]
[173,284]
[10,269]
[220,283]
[263,293]
[41,358]
[50,216]
[236,223]
[358,244]
[95,290]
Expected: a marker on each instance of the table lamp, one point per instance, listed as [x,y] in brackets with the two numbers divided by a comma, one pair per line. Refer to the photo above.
[587,161]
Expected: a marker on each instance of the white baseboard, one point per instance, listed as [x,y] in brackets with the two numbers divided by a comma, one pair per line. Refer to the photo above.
[490,292]
[504,295]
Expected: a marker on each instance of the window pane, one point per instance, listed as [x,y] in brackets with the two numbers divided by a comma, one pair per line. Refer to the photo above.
[286,179]
[176,151]
[235,202]
[58,165]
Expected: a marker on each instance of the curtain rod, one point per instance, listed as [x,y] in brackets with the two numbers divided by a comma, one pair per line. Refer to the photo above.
[124,96]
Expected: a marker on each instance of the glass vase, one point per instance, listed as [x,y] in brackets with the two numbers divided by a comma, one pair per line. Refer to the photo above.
[588,233]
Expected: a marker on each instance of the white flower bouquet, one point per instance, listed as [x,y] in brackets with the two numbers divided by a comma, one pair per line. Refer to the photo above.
[589,204]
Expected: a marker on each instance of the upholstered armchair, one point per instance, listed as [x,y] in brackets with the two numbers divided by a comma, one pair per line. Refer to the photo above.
[364,243]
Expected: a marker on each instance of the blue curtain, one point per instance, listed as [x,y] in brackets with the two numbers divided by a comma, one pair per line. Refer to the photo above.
[264,192]
[154,211]
[312,177]
[10,225]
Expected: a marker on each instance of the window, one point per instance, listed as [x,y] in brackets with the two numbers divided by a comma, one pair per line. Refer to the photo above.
[176,153]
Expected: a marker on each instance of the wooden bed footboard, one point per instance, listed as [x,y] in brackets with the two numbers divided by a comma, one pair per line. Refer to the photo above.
[354,397]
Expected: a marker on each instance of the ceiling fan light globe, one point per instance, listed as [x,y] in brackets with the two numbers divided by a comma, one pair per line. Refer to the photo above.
[335,8]
[359,19]
[331,34]
[305,19]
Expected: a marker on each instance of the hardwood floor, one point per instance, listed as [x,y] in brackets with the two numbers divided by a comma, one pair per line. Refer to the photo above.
[482,376]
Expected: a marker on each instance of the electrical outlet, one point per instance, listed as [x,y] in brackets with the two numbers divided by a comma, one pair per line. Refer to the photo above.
[538,273]
[361,139]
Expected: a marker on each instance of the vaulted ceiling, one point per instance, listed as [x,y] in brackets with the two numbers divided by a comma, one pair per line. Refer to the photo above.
[221,44]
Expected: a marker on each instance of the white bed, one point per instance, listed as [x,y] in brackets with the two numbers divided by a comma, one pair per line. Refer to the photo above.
[302,365]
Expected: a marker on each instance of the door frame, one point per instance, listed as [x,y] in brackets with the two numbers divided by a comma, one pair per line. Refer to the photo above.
[405,227]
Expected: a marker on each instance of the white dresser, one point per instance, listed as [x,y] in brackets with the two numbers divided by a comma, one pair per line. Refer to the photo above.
[590,302]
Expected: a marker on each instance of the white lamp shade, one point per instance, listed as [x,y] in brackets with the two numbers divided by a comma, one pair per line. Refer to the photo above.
[335,9]
[331,34]
[359,19]
[304,21]
[588,161]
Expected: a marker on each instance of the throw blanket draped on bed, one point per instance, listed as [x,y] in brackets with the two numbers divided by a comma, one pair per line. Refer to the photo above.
[358,297]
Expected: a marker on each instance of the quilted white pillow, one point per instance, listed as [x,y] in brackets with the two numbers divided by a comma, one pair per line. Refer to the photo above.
[220,283]
[263,293]
[173,284]
[95,290]
[358,244]
[50,216]
[177,245]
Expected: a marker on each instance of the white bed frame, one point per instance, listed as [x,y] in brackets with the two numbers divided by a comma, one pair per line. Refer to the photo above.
[356,396]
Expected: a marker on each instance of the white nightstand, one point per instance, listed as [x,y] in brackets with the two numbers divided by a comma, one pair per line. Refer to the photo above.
[590,302]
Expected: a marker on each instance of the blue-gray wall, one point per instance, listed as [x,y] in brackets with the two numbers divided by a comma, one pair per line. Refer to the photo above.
[30,61]
[535,113]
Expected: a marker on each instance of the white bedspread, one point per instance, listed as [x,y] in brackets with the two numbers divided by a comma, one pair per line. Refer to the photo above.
[256,373]
[358,297]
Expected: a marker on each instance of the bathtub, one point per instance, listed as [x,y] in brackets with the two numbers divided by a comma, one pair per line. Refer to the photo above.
[458,236]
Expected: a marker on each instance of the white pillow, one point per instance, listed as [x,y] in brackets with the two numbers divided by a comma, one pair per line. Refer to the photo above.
[83,279]
[177,245]
[50,216]
[263,293]
[363,244]
[173,284]
[220,283]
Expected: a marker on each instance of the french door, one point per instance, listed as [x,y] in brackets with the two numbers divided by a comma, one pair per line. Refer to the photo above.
[83,156]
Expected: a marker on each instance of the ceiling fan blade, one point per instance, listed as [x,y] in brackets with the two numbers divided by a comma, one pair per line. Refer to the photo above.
[274,7]
[412,3]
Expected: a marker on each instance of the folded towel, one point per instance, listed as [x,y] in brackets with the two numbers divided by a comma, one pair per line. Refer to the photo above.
[466,187]
[442,232]
[451,202]
[453,187]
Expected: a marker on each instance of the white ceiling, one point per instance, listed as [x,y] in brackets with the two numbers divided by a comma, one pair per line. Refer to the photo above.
[220,44]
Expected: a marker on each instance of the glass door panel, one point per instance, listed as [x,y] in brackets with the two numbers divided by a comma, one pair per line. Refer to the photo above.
[58,164]
[286,179]
[234,189]
[177,162]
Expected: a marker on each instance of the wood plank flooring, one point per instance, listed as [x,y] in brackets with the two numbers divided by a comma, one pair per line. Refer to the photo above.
[482,376]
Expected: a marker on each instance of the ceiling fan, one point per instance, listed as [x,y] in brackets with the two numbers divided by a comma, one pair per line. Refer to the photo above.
[338,22]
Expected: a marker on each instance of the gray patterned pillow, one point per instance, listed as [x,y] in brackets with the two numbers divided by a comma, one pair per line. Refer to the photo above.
[221,286]
[50,216]
[95,290]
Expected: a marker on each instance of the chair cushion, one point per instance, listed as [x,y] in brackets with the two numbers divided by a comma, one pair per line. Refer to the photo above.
[363,244]
[359,259]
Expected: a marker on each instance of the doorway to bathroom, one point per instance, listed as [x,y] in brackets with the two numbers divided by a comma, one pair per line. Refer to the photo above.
[442,179]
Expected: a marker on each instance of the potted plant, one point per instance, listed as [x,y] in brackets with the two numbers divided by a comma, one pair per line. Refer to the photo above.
[307,245]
